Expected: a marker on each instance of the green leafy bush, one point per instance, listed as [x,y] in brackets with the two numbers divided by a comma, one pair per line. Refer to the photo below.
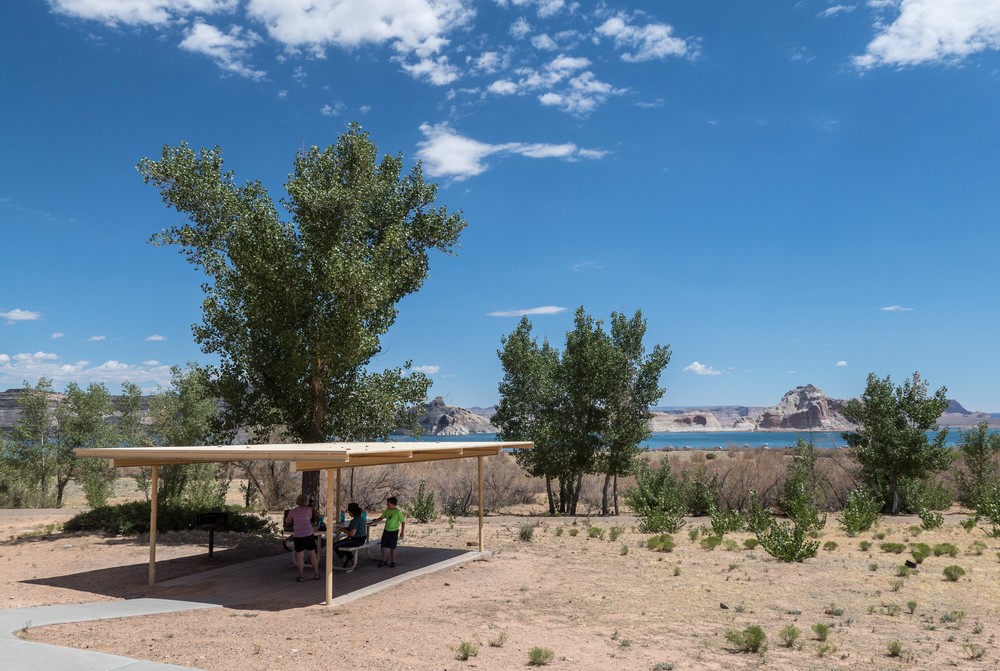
[710,542]
[789,634]
[751,543]
[526,532]
[821,630]
[953,573]
[894,548]
[751,639]
[661,543]
[540,656]
[422,508]
[860,513]
[699,492]
[930,519]
[945,549]
[726,521]
[133,518]
[657,499]
[786,542]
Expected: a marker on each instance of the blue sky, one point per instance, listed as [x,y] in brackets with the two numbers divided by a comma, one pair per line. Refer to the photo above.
[791,192]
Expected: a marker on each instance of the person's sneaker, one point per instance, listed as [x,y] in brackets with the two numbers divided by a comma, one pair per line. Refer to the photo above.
[381,563]
[392,564]
[316,576]
[300,579]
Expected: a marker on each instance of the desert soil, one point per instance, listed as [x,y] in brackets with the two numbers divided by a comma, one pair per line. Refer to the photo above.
[596,603]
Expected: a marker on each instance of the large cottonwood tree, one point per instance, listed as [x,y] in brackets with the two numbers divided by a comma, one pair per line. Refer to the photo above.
[892,442]
[295,309]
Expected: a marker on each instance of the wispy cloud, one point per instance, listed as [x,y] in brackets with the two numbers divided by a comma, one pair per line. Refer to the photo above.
[230,50]
[701,369]
[586,265]
[155,338]
[543,310]
[652,41]
[841,363]
[19,315]
[427,370]
[837,9]
[14,370]
[57,335]
[97,338]
[895,308]
[445,153]
[931,31]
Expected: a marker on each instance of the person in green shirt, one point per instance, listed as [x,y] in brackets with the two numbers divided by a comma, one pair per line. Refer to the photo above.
[392,533]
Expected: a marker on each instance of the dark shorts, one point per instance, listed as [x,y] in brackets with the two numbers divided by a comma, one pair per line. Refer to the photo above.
[390,539]
[352,542]
[305,543]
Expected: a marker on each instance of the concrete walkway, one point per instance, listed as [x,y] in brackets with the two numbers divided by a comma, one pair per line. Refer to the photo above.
[29,656]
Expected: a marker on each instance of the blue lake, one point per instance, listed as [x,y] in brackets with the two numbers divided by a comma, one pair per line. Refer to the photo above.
[706,440]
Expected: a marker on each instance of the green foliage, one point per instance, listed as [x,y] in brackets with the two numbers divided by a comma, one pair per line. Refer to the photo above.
[422,509]
[892,443]
[656,499]
[980,450]
[865,545]
[540,656]
[860,513]
[586,408]
[953,573]
[911,606]
[783,541]
[895,648]
[661,543]
[821,630]
[498,640]
[751,639]
[917,494]
[726,521]
[830,546]
[894,548]
[750,543]
[989,508]
[526,532]
[614,533]
[942,549]
[295,310]
[465,650]
[133,518]
[595,532]
[789,634]
[801,491]
[930,519]
[975,651]
[710,542]
[700,492]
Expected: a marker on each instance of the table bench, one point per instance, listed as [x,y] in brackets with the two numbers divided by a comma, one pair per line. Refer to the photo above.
[354,550]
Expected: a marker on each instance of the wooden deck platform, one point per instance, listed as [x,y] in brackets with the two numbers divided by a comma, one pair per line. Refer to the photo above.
[269,583]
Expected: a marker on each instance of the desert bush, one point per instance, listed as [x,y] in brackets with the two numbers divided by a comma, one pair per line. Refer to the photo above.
[422,508]
[893,548]
[747,474]
[977,548]
[540,656]
[595,532]
[751,639]
[466,650]
[498,640]
[953,573]
[656,499]
[699,491]
[789,634]
[830,546]
[526,532]
[750,543]
[975,651]
[979,466]
[930,519]
[895,648]
[916,494]
[614,533]
[942,549]
[785,542]
[911,606]
[133,518]
[988,506]
[821,630]
[861,512]
[726,521]
[710,542]
[865,545]
[661,543]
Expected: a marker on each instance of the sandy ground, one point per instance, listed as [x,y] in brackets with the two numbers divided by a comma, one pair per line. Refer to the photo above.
[596,603]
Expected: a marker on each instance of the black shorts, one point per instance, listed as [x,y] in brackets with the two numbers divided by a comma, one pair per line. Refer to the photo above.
[305,543]
[390,539]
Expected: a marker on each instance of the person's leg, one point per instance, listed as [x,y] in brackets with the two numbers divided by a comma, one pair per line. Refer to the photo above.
[300,560]
[314,560]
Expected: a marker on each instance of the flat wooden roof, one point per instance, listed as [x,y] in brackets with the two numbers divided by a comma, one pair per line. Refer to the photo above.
[303,456]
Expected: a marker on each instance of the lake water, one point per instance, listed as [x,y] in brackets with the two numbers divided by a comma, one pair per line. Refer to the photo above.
[706,440]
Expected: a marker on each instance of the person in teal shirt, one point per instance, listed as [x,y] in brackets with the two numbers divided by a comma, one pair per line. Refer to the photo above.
[392,533]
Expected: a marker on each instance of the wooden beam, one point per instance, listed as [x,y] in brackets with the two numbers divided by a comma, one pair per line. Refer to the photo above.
[330,521]
[479,473]
[154,496]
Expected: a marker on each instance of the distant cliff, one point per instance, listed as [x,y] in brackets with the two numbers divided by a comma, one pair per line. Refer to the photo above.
[805,408]
[440,419]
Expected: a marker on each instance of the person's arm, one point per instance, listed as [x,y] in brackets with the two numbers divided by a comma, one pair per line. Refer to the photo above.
[402,529]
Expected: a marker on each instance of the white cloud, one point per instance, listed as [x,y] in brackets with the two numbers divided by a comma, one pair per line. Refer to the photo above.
[14,370]
[701,369]
[19,315]
[37,356]
[434,70]
[228,50]
[489,62]
[4,358]
[413,26]
[544,43]
[543,310]
[841,363]
[586,265]
[896,308]
[932,31]
[57,335]
[503,87]
[837,9]
[155,337]
[445,153]
[653,41]
[336,109]
[96,338]
[139,12]
[427,370]
[151,362]
[520,29]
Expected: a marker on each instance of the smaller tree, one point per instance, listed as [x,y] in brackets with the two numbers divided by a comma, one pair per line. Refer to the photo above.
[800,495]
[83,422]
[980,451]
[657,499]
[892,443]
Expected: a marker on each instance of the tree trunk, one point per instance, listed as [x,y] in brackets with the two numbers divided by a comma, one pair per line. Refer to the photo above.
[548,492]
[604,494]
[615,489]
[895,495]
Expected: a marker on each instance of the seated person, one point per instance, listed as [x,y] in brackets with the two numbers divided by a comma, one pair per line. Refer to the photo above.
[356,530]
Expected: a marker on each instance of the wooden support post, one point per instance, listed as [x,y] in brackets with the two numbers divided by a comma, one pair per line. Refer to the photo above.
[331,520]
[479,464]
[154,490]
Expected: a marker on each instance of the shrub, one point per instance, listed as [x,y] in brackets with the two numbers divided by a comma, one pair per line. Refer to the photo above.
[977,548]
[894,548]
[860,513]
[422,508]
[661,543]
[975,650]
[789,634]
[133,518]
[726,521]
[911,606]
[499,640]
[540,656]
[865,545]
[953,573]
[895,648]
[614,533]
[526,532]
[945,549]
[595,532]
[751,639]
[830,546]
[657,499]
[988,506]
[751,543]
[785,542]
[573,531]
[821,630]
[466,650]
[699,492]
[930,519]
[710,542]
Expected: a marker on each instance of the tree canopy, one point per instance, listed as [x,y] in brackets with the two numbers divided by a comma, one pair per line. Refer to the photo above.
[892,444]
[586,408]
[295,309]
